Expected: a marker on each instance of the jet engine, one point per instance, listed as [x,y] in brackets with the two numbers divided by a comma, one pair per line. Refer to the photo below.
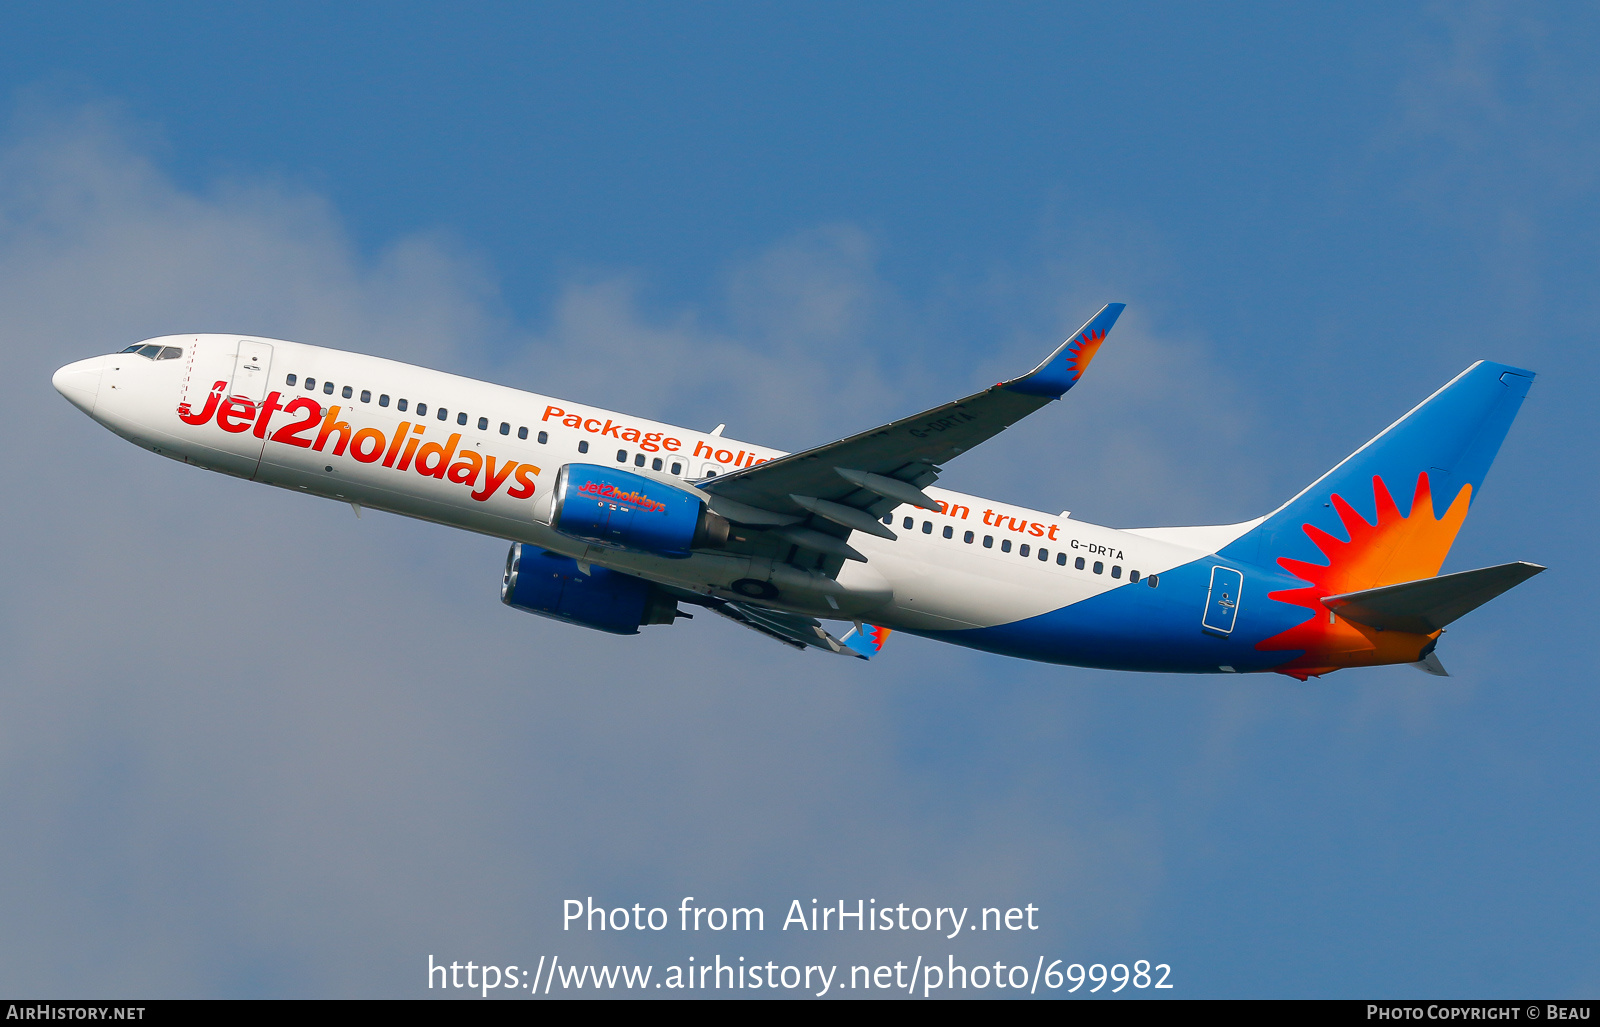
[552,585]
[616,508]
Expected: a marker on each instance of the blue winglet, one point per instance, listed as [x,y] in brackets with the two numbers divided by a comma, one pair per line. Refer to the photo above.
[1062,369]
[866,640]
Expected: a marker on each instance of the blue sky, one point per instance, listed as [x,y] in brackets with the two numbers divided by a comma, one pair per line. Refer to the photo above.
[800,221]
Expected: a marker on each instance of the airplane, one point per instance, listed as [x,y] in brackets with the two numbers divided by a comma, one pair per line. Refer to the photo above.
[618,522]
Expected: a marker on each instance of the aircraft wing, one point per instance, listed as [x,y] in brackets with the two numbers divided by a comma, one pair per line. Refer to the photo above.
[792,629]
[851,484]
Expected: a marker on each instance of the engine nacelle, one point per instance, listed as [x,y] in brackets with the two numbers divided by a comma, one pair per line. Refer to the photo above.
[616,508]
[551,585]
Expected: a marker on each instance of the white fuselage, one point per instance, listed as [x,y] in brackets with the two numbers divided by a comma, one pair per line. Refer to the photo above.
[358,429]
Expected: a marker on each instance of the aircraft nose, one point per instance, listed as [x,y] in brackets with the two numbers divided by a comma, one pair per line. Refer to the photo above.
[79,382]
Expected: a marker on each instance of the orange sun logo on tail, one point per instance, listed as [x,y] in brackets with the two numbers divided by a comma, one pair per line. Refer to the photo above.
[1082,350]
[1398,547]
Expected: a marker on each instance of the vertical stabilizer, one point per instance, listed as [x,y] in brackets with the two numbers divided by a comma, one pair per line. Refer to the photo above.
[1389,512]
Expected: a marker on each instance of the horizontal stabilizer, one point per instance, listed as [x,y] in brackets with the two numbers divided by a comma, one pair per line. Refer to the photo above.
[1423,607]
[1430,664]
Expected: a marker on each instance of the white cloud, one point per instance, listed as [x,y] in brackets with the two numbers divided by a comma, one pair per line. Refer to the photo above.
[251,744]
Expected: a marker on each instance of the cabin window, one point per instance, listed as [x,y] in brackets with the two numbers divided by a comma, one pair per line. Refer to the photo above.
[366,395]
[1153,580]
[927,527]
[638,459]
[1116,571]
[1078,563]
[908,524]
[988,541]
[444,414]
[655,465]
[622,456]
[1005,545]
[291,379]
[583,446]
[1044,554]
[1061,559]
[888,519]
[505,429]
[544,436]
[383,400]
[327,388]
[401,406]
[422,409]
[522,433]
[483,425]
[968,537]
[461,418]
[1133,577]
[677,468]
[311,385]
[949,532]
[348,392]
[1022,550]
[1099,568]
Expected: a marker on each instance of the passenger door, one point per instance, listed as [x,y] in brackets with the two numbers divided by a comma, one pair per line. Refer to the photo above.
[251,370]
[1222,601]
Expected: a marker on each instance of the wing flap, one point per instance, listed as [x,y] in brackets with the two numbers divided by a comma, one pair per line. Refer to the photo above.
[1427,605]
[792,629]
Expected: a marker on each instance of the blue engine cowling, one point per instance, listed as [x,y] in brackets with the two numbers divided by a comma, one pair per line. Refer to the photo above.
[551,585]
[617,508]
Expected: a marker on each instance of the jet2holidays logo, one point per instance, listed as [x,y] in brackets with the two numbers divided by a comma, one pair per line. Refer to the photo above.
[482,474]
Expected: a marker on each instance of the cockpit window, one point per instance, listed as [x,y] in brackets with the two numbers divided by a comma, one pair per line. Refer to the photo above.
[155,352]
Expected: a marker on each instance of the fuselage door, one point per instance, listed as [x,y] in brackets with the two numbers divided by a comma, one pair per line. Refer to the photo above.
[251,370]
[1222,600]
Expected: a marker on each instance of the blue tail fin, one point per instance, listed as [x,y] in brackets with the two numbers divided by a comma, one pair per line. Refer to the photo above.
[1436,457]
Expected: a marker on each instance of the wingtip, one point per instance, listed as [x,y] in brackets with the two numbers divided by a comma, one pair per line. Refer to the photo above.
[1061,370]
[866,640]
